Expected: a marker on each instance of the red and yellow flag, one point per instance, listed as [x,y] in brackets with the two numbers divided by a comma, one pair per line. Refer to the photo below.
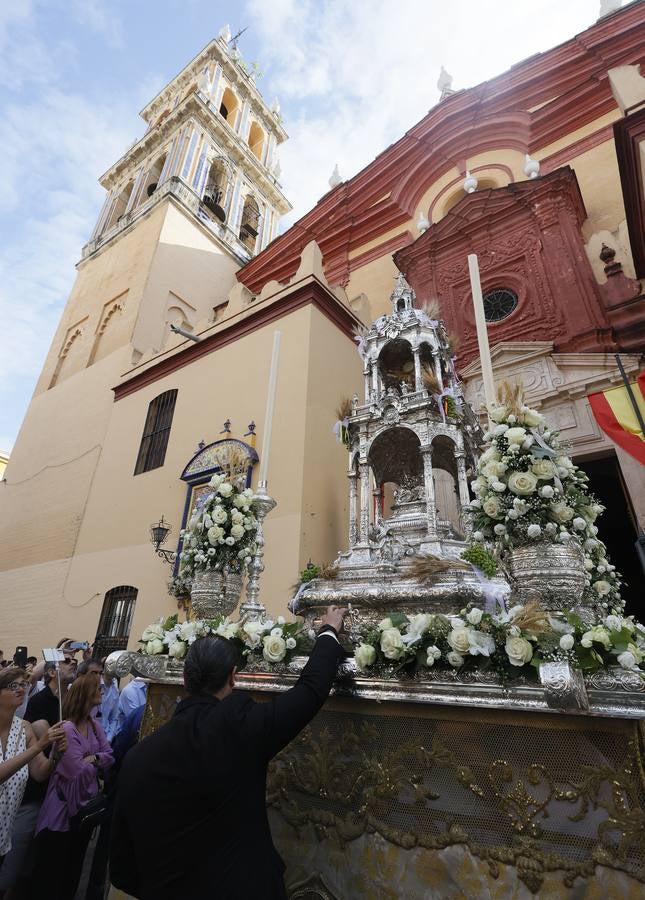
[616,416]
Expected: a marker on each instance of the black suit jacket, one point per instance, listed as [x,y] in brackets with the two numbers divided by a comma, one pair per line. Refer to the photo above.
[190,818]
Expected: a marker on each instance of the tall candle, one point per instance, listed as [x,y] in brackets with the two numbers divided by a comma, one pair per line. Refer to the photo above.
[268,418]
[482,333]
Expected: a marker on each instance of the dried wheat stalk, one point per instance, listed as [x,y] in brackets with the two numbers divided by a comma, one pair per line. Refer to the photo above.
[511,395]
[344,408]
[328,571]
[533,618]
[431,308]
[425,568]
[430,382]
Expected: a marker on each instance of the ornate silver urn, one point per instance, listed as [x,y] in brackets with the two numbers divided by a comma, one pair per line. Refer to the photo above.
[215,594]
[552,572]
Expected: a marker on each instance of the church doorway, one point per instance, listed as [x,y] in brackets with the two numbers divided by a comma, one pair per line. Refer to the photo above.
[617,526]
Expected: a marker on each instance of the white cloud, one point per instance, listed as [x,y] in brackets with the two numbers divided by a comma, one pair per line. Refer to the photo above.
[353,77]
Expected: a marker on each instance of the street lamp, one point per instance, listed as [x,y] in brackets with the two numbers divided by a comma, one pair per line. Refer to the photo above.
[158,535]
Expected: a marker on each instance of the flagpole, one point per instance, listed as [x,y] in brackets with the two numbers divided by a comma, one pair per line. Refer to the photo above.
[632,398]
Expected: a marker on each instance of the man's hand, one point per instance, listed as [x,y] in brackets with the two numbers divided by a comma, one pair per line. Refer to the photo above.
[334,616]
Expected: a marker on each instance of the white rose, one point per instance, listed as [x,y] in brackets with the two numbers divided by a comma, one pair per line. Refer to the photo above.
[579,523]
[188,631]
[154,647]
[492,453]
[560,512]
[499,430]
[513,514]
[518,650]
[566,641]
[291,643]
[492,507]
[153,632]
[384,623]
[498,486]
[253,632]
[475,616]
[214,534]
[459,639]
[627,660]
[364,655]
[602,588]
[522,483]
[498,413]
[275,648]
[391,643]
[237,518]
[481,644]
[420,623]
[455,659]
[532,418]
[225,489]
[177,649]
[515,435]
[237,531]
[492,469]
[534,531]
[543,468]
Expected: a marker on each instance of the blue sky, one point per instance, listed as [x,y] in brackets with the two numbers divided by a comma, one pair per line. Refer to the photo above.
[351,77]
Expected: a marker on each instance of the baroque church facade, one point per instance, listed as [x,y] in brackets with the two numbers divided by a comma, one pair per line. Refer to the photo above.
[162,354]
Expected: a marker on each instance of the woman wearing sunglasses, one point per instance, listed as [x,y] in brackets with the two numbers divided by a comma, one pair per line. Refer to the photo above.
[21,752]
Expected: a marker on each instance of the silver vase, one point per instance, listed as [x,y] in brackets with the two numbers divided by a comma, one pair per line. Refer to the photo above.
[549,572]
[215,594]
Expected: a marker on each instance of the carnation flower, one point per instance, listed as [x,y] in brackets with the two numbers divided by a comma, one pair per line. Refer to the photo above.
[481,643]
[177,649]
[498,486]
[566,641]
[291,643]
[627,660]
[478,536]
[497,413]
[579,523]
[532,418]
[154,647]
[153,632]
[237,531]
[230,541]
[433,654]
[455,659]
[225,489]
[384,623]
[547,492]
[499,529]
[534,531]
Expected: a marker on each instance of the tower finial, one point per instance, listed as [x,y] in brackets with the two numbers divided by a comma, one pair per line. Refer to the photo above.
[336,177]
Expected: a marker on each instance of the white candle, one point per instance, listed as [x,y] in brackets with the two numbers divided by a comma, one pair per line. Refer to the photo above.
[268,418]
[482,333]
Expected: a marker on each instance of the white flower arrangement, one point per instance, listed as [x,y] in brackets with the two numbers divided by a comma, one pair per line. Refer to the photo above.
[528,490]
[505,642]
[275,641]
[221,532]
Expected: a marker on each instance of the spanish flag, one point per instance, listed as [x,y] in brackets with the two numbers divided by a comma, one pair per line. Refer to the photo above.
[615,413]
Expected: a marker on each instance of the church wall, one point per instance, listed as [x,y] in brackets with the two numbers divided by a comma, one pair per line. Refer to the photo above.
[188,265]
[113,546]
[335,371]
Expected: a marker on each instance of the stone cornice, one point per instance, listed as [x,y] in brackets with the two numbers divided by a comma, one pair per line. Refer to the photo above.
[567,88]
[311,293]
[194,109]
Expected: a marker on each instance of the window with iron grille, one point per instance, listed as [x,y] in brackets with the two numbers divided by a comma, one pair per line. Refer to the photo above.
[116,618]
[498,304]
[156,432]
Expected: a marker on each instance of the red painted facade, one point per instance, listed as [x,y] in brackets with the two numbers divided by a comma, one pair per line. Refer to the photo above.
[535,103]
[527,237]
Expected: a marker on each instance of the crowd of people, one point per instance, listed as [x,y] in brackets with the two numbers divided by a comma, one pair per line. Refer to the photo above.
[71,776]
[64,727]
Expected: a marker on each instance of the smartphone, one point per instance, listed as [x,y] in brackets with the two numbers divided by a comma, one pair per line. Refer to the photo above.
[77,645]
[20,657]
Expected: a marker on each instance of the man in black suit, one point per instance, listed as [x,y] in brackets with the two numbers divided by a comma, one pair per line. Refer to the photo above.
[190,820]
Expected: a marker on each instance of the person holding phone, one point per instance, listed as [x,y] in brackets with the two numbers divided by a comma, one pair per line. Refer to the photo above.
[21,752]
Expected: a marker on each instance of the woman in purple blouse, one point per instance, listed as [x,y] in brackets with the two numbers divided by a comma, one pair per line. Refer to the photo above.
[61,845]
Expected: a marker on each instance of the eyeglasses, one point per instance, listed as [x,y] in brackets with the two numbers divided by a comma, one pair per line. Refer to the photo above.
[16,686]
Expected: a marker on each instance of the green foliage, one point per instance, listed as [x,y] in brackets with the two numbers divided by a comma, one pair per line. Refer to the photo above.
[479,556]
[310,572]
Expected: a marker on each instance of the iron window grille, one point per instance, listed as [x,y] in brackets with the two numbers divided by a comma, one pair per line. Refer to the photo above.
[116,619]
[156,432]
[499,303]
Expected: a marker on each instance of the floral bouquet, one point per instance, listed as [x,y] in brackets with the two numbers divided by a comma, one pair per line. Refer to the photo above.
[510,642]
[274,641]
[220,533]
[528,490]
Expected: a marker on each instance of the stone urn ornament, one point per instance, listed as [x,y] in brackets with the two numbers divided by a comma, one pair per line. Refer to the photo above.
[554,572]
